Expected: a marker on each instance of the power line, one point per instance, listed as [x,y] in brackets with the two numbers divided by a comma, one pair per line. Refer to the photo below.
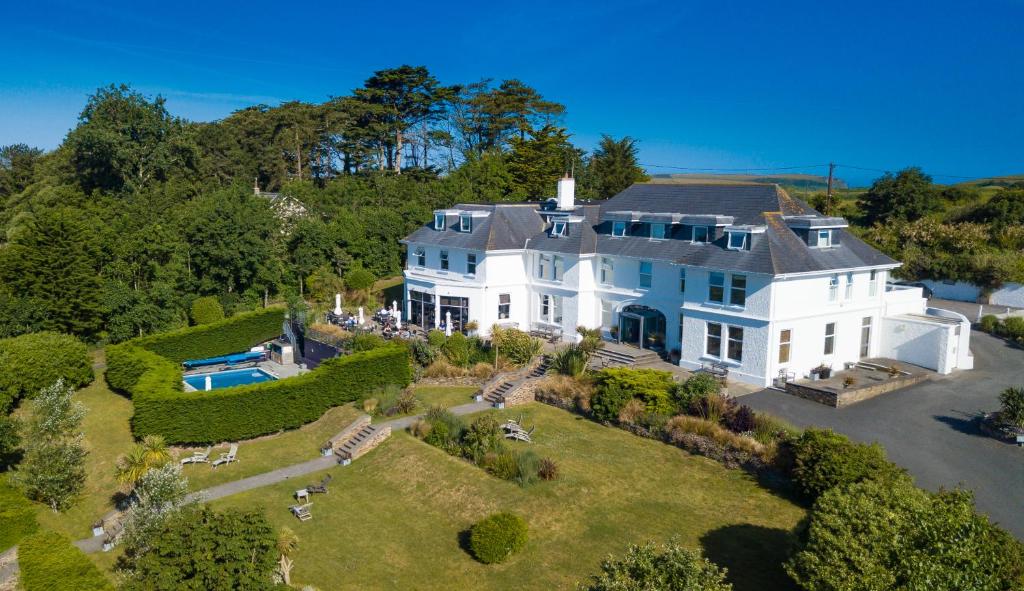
[804,167]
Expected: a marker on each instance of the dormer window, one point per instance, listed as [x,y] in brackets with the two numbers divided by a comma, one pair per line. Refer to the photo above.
[618,229]
[824,238]
[465,223]
[657,231]
[738,240]
[700,234]
[439,221]
[559,228]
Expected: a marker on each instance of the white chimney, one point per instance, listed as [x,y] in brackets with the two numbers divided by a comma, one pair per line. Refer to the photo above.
[566,193]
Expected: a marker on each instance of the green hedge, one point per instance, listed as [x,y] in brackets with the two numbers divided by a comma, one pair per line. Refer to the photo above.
[32,362]
[49,562]
[243,412]
[17,516]
[230,335]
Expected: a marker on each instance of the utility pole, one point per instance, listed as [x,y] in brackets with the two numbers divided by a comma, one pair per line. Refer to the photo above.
[828,193]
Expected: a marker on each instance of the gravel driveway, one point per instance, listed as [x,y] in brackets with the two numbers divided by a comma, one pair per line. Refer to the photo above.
[927,429]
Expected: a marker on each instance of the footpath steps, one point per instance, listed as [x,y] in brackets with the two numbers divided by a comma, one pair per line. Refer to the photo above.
[502,393]
[625,356]
[367,438]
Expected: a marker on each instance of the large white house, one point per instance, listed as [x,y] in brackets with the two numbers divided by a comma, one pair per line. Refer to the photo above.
[742,275]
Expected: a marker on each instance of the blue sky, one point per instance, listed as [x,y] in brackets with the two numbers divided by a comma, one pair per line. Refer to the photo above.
[717,84]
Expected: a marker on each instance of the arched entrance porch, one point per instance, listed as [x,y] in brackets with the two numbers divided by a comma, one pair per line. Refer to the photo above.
[643,327]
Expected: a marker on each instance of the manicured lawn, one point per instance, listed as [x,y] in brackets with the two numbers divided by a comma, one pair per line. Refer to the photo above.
[394,518]
[264,454]
[444,396]
[107,435]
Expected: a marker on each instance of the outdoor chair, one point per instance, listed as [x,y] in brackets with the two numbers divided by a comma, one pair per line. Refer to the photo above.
[302,511]
[197,457]
[521,435]
[227,458]
[320,488]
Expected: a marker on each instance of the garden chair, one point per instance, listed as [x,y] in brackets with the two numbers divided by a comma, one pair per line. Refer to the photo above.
[227,458]
[197,457]
[320,488]
[302,511]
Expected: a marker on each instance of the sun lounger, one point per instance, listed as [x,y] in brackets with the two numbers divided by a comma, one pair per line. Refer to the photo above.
[521,435]
[198,457]
[320,488]
[227,458]
[302,511]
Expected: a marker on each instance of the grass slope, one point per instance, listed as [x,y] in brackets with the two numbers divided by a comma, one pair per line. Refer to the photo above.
[395,518]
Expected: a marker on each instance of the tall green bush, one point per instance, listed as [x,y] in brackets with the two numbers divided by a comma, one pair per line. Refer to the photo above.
[651,386]
[515,345]
[230,335]
[498,537]
[243,412]
[32,362]
[49,562]
[17,516]
[1011,402]
[893,535]
[1013,326]
[206,310]
[674,568]
[823,459]
[989,323]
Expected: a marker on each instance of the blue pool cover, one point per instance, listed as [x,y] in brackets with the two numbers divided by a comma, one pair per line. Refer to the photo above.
[226,379]
[224,359]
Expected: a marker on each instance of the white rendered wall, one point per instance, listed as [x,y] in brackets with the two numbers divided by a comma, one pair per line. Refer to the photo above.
[922,343]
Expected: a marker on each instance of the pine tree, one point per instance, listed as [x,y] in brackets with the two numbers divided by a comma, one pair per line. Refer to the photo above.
[615,166]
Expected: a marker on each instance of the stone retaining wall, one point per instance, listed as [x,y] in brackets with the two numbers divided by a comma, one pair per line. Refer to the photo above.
[846,397]
[522,394]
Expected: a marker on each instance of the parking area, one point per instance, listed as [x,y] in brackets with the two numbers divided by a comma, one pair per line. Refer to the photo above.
[928,429]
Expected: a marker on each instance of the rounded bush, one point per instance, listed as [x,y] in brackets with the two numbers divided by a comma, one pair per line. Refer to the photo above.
[497,537]
[206,310]
[32,362]
[359,279]
[989,323]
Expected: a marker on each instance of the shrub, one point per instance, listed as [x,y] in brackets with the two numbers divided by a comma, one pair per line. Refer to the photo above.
[366,342]
[711,408]
[570,360]
[632,412]
[49,562]
[1011,401]
[17,516]
[484,436]
[651,386]
[230,335]
[497,537]
[404,404]
[420,428]
[442,369]
[515,345]
[566,389]
[243,412]
[547,469]
[32,362]
[697,386]
[446,430]
[456,349]
[206,310]
[989,323]
[1014,327]
[591,340]
[502,465]
[681,426]
[482,370]
[359,279]
[422,353]
[436,339]
[672,569]
[769,429]
[741,420]
[893,535]
[527,468]
[607,403]
[823,459]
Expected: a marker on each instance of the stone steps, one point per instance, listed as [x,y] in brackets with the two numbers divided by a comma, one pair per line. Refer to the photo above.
[622,356]
[499,394]
[367,438]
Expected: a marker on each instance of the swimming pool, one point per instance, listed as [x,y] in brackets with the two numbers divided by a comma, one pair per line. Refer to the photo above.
[227,379]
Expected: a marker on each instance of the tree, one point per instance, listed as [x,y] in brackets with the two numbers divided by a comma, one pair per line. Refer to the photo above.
[143,457]
[201,549]
[124,141]
[51,263]
[673,568]
[537,163]
[907,195]
[17,168]
[287,544]
[615,166]
[35,361]
[52,470]
[1005,208]
[891,535]
[158,495]
[398,99]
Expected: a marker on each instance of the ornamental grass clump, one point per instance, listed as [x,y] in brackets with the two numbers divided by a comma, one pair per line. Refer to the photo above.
[496,538]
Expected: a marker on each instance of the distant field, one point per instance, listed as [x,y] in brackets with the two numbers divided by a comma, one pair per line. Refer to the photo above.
[802,181]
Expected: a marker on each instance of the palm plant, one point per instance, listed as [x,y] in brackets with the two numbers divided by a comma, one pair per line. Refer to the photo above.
[287,543]
[151,453]
[570,360]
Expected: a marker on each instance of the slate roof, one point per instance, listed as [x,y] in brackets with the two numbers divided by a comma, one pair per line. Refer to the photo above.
[777,251]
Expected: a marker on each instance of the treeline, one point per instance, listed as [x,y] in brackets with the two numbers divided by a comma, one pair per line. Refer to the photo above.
[941,232]
[138,212]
